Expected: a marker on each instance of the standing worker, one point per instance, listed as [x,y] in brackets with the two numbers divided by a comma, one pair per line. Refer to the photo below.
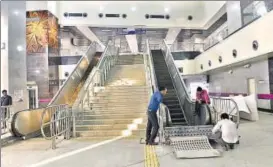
[6,100]
[202,98]
[152,125]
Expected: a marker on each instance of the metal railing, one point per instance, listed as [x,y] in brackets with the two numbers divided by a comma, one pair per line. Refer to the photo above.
[184,98]
[60,124]
[6,115]
[94,82]
[225,105]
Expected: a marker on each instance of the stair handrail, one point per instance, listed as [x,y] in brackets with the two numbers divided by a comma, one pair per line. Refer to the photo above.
[97,78]
[184,98]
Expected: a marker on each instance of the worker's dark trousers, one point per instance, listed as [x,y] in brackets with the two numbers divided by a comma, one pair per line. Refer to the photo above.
[152,127]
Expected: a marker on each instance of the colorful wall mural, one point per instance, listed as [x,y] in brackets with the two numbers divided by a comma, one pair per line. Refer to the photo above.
[41,31]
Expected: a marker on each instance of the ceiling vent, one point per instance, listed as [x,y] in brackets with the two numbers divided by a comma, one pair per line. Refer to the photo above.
[112,15]
[157,16]
[75,14]
[151,16]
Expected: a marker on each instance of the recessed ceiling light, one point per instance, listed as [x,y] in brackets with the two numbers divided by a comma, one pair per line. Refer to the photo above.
[166,10]
[133,8]
[101,8]
[16,12]
[20,48]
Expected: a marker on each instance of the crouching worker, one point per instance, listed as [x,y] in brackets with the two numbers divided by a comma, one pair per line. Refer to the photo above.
[228,135]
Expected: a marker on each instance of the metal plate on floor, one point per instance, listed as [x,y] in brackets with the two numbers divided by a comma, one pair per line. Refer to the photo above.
[204,130]
[193,147]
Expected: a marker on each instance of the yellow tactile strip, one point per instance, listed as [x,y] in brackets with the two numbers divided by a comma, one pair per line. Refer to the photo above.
[151,159]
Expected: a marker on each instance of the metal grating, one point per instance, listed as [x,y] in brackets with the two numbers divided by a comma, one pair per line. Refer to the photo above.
[205,130]
[193,147]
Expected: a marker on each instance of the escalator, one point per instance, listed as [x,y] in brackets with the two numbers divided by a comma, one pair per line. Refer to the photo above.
[27,123]
[181,108]
[164,80]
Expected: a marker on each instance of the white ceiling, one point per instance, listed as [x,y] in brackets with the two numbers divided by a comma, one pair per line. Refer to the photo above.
[202,11]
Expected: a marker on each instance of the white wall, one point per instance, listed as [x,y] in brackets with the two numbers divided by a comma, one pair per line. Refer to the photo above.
[188,66]
[242,42]
[67,49]
[224,82]
[65,68]
[211,8]
[234,15]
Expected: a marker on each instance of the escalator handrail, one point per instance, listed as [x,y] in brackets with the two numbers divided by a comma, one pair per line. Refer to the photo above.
[177,73]
[92,45]
[152,71]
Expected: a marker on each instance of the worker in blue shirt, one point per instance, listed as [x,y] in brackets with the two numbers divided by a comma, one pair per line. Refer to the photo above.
[152,124]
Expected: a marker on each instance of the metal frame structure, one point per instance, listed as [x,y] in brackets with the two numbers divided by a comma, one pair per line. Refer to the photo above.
[6,115]
[226,105]
[60,124]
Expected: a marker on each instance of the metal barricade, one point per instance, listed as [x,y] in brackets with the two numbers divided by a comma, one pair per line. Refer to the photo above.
[225,105]
[6,115]
[60,124]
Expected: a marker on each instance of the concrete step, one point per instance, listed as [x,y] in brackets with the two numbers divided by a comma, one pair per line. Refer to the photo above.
[126,87]
[113,116]
[98,139]
[105,121]
[108,133]
[116,109]
[109,110]
[105,97]
[131,91]
[119,105]
[107,127]
[123,93]
[119,101]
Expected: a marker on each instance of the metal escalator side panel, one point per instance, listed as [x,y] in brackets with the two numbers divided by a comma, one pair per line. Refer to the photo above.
[64,95]
[27,122]
[66,92]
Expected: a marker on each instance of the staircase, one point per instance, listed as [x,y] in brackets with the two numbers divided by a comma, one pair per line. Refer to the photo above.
[130,60]
[164,79]
[120,107]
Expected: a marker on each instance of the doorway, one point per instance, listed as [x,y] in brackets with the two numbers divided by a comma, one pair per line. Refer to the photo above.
[33,97]
[251,84]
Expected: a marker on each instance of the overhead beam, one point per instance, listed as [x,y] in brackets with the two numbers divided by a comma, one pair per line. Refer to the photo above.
[85,30]
[171,35]
[132,40]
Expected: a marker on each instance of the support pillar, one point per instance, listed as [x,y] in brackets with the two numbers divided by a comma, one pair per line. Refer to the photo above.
[13,55]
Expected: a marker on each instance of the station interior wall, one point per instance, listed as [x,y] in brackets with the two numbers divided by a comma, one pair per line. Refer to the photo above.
[237,82]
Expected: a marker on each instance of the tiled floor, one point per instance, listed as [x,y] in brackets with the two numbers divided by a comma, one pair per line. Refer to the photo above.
[255,150]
